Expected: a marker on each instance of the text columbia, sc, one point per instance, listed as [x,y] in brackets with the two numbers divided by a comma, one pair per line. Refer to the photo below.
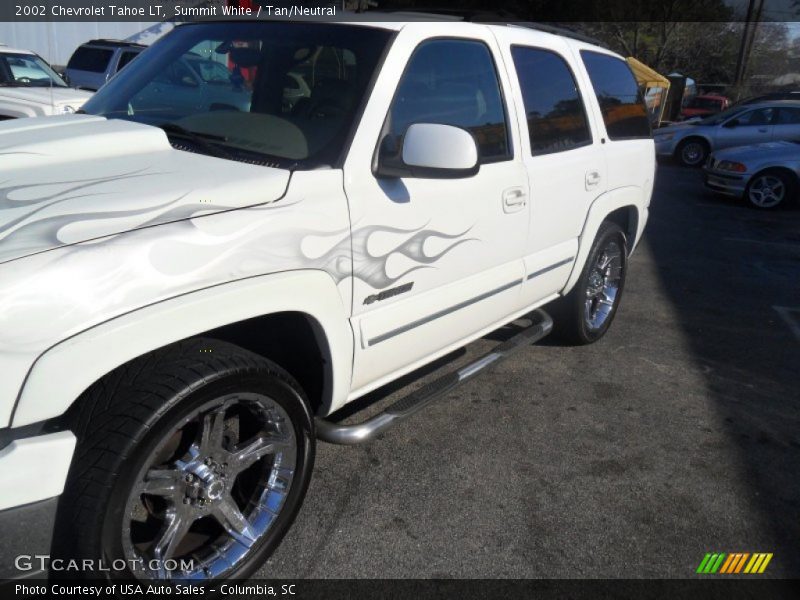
[179,10]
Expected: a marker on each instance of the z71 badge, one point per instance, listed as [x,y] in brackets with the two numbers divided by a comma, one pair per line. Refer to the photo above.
[391,292]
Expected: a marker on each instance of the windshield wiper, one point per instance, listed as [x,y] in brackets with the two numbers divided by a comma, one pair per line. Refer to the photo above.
[204,140]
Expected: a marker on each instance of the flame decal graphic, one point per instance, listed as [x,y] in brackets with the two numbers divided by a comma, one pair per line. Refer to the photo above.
[371,268]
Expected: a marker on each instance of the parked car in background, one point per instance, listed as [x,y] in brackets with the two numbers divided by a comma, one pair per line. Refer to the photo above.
[30,88]
[690,143]
[97,61]
[705,105]
[765,175]
[193,83]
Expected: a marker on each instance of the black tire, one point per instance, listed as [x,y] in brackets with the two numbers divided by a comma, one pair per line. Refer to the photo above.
[123,420]
[571,323]
[784,185]
[692,152]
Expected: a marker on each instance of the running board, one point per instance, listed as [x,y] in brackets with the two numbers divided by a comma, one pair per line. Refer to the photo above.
[422,397]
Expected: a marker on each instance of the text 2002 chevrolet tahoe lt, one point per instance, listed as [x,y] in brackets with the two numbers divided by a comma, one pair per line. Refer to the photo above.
[187,293]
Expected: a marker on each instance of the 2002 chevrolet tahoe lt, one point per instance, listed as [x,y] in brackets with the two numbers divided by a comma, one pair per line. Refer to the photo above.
[188,289]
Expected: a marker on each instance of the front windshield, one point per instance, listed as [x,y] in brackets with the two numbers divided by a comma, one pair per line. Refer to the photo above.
[27,70]
[283,93]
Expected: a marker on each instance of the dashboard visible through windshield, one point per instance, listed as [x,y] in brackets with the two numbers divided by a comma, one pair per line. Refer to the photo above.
[276,92]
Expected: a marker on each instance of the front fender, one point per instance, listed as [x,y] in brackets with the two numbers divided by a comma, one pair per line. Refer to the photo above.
[65,370]
[604,205]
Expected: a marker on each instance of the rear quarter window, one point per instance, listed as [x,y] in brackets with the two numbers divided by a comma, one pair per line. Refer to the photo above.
[94,60]
[617,92]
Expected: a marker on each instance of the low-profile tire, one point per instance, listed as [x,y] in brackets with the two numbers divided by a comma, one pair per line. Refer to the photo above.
[769,190]
[584,315]
[199,453]
[692,152]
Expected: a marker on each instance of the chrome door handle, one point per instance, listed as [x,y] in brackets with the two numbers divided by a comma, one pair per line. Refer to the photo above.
[513,199]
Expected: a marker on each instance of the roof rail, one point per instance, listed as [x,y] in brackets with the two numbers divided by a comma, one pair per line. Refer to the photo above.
[560,31]
[113,42]
[501,17]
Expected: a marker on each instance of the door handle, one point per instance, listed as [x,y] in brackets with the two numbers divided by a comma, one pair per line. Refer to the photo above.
[592,179]
[513,199]
[762,129]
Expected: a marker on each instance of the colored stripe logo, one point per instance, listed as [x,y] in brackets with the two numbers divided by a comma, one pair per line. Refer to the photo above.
[734,563]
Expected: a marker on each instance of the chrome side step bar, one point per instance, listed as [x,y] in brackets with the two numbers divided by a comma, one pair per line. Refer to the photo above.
[420,398]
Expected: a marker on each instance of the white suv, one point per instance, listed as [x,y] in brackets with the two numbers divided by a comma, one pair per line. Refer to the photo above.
[30,88]
[187,295]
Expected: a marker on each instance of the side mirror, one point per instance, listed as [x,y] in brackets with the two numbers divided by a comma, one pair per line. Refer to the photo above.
[429,151]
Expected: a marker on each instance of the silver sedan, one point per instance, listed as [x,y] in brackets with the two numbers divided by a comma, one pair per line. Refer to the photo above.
[691,142]
[765,175]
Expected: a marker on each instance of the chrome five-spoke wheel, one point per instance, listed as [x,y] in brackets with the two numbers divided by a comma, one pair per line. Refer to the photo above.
[767,190]
[191,464]
[603,285]
[212,488]
[586,312]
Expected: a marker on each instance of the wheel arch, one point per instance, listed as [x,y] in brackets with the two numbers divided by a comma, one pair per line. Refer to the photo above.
[304,306]
[625,207]
[793,175]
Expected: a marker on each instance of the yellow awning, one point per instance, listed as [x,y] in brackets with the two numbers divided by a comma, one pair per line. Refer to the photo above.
[646,76]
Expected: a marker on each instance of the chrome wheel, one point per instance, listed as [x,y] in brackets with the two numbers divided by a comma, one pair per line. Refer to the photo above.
[211,489]
[603,286]
[766,191]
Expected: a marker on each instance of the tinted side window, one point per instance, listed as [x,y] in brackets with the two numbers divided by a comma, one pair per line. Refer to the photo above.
[553,105]
[453,82]
[618,94]
[125,59]
[788,116]
[94,60]
[762,116]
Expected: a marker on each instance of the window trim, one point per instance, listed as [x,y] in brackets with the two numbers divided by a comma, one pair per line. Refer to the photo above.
[583,52]
[590,141]
[511,151]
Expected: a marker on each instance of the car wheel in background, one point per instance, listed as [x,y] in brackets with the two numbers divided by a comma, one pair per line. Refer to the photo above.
[692,152]
[191,463]
[770,189]
[584,315]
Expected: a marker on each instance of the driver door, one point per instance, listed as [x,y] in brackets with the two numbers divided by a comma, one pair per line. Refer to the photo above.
[435,261]
[749,127]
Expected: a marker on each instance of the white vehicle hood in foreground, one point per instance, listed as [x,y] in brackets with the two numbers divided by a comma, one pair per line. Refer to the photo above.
[65,180]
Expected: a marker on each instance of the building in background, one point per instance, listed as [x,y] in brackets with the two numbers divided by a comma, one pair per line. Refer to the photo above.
[56,41]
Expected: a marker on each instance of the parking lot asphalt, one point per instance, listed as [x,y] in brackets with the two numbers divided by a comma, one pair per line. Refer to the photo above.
[676,435]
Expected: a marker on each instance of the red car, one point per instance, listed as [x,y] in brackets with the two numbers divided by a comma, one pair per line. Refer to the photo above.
[704,105]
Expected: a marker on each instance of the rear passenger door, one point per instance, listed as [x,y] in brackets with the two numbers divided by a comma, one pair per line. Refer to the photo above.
[787,124]
[435,261]
[561,151]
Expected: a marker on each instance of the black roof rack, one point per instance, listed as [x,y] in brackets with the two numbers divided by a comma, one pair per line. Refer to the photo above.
[501,17]
[114,43]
